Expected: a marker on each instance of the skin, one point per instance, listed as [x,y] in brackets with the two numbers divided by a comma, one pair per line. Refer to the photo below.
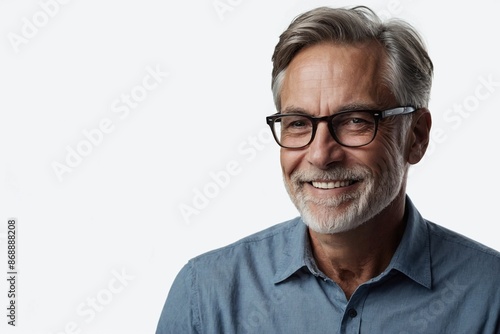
[325,79]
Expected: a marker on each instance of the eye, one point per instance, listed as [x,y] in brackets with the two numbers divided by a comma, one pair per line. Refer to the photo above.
[294,123]
[354,122]
[358,120]
[297,124]
[354,117]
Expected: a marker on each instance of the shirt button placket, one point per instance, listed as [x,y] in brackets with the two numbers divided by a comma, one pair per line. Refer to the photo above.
[352,313]
[352,320]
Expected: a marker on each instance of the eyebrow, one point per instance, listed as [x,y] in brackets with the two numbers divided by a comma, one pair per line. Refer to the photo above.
[348,107]
[294,110]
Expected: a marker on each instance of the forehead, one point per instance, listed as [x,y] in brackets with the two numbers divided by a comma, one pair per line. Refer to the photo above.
[330,76]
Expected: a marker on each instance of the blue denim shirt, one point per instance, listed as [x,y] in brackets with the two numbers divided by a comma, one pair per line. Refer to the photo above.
[437,282]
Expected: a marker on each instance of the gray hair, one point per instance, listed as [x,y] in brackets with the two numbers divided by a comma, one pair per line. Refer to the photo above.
[407,73]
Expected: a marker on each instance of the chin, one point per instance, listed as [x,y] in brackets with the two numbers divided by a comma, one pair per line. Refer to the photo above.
[328,220]
[341,213]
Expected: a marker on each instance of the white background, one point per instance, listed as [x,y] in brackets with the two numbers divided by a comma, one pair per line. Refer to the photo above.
[119,209]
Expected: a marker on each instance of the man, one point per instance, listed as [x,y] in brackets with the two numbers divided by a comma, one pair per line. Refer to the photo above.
[352,95]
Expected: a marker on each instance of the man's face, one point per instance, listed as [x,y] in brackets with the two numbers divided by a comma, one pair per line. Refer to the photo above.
[337,188]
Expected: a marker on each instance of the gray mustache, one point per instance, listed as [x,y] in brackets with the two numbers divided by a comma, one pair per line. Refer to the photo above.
[339,173]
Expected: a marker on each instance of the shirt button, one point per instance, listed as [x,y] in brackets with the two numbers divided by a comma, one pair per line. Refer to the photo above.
[352,313]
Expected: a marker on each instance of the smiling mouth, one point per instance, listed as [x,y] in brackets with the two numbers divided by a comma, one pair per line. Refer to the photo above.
[332,184]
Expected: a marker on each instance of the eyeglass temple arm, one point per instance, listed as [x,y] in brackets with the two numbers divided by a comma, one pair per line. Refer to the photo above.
[397,111]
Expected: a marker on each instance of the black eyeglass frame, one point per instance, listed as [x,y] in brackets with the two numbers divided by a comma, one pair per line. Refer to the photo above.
[377,115]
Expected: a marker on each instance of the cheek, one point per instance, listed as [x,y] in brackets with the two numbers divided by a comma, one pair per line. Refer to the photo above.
[380,156]
[372,160]
[290,161]
[388,156]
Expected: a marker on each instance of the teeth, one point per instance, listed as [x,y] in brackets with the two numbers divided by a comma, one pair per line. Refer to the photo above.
[331,184]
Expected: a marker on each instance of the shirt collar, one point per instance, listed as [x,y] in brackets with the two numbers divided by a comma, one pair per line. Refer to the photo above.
[412,257]
[297,254]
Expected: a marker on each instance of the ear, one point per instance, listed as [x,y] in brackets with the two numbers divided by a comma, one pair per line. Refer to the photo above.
[418,138]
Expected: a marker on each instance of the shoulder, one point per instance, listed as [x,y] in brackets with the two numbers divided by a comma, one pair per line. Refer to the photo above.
[264,242]
[456,249]
[457,240]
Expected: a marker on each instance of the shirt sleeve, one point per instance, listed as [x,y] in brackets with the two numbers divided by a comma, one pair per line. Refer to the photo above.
[180,312]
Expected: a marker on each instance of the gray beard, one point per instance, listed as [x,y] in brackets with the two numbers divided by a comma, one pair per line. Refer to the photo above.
[325,216]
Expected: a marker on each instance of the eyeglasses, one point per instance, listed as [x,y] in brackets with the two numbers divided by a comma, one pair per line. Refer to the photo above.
[348,128]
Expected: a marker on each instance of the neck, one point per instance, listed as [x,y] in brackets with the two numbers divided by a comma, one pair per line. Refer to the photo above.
[354,257]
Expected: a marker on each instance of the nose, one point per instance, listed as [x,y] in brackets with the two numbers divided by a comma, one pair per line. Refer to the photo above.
[324,150]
